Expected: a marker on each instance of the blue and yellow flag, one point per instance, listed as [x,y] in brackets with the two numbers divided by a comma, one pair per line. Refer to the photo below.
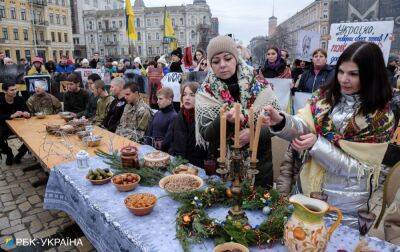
[130,21]
[169,33]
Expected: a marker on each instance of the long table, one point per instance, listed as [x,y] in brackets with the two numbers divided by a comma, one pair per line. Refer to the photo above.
[53,150]
[108,224]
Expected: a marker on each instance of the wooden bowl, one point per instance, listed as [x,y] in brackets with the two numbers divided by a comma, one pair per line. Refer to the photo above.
[157,159]
[92,141]
[231,246]
[129,186]
[179,183]
[140,211]
[52,128]
[184,169]
[99,182]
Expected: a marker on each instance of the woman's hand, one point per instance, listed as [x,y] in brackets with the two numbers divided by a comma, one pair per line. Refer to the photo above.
[230,116]
[304,142]
[271,116]
[244,137]
[26,114]
[16,114]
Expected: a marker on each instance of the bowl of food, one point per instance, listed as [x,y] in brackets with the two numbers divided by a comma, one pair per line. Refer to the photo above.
[52,128]
[231,247]
[99,176]
[126,182]
[157,159]
[141,203]
[92,141]
[179,183]
[40,115]
[184,169]
[82,134]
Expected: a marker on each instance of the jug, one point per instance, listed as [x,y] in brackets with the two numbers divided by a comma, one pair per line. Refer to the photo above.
[306,230]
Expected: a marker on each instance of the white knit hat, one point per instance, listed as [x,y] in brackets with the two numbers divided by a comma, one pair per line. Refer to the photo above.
[137,60]
[162,60]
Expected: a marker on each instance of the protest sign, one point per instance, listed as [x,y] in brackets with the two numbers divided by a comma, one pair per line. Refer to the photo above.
[172,80]
[281,88]
[344,34]
[307,42]
[37,80]
[85,72]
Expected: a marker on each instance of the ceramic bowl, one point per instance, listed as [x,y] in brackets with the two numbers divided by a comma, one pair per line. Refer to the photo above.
[231,246]
[99,181]
[179,183]
[140,211]
[129,186]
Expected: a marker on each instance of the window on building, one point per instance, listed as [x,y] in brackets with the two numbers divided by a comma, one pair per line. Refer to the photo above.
[12,13]
[16,35]
[53,37]
[193,35]
[100,38]
[323,45]
[95,3]
[61,53]
[57,18]
[113,24]
[122,51]
[18,55]
[120,23]
[101,52]
[173,22]
[5,33]
[26,36]
[8,54]
[157,36]
[323,30]
[63,2]
[150,50]
[99,24]
[23,14]
[51,17]
[59,37]
[50,1]
[55,55]
[204,20]
[156,22]
[139,49]
[139,36]
[114,38]
[2,11]
[41,35]
[64,20]
[149,36]
[181,35]
[91,38]
[137,22]
[65,37]
[148,22]
[181,21]
[158,50]
[28,55]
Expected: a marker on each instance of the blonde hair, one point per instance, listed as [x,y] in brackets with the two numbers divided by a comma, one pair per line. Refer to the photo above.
[166,92]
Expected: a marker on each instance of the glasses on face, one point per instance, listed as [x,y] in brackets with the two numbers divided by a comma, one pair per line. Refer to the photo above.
[203,64]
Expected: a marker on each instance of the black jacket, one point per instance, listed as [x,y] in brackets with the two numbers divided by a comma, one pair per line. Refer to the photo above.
[269,72]
[6,110]
[114,114]
[309,82]
[184,142]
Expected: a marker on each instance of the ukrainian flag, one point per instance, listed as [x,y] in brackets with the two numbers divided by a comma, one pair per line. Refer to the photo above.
[130,21]
[169,33]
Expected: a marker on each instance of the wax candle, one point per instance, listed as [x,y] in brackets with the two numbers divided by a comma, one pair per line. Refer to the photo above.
[251,125]
[222,139]
[256,140]
[237,125]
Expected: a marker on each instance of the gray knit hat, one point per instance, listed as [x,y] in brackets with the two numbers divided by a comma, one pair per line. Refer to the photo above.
[221,44]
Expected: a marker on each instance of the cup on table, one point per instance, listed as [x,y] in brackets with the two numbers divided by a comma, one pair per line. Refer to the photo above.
[210,166]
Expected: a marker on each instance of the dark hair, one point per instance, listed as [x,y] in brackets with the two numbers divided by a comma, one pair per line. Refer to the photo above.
[375,90]
[202,52]
[94,77]
[100,84]
[6,86]
[74,77]
[320,50]
[133,86]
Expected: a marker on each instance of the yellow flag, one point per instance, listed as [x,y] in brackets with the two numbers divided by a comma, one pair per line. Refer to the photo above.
[168,27]
[130,21]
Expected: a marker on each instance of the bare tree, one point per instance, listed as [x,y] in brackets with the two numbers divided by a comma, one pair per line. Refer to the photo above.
[282,39]
[258,48]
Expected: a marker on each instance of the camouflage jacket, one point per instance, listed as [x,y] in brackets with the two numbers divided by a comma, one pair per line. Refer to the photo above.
[134,121]
[46,103]
[103,104]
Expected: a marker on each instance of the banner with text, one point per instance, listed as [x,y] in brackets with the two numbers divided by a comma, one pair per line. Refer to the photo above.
[344,34]
[307,42]
[172,80]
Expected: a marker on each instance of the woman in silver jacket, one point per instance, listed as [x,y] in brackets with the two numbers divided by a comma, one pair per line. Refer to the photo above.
[352,110]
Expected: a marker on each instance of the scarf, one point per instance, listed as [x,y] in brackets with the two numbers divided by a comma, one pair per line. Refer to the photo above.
[188,115]
[365,138]
[214,93]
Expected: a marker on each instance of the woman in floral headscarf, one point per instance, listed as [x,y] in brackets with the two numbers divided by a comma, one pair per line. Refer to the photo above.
[230,80]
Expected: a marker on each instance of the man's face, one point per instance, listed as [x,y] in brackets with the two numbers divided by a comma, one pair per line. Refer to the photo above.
[90,85]
[131,97]
[38,64]
[284,55]
[115,89]
[96,91]
[163,101]
[72,87]
[2,56]
[12,91]
[23,61]
[96,56]
[39,90]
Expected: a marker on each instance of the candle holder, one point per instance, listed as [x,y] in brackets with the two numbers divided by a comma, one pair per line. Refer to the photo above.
[252,172]
[222,170]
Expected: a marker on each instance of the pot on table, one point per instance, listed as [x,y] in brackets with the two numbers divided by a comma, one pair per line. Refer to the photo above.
[129,157]
[306,230]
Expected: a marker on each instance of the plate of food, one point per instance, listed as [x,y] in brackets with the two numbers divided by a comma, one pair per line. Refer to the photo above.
[99,176]
[185,169]
[179,183]
[140,203]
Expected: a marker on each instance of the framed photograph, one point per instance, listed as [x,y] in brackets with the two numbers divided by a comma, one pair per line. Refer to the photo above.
[37,80]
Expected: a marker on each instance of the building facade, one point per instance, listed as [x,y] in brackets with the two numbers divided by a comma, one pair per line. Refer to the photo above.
[35,27]
[368,10]
[105,31]
[314,17]
[78,29]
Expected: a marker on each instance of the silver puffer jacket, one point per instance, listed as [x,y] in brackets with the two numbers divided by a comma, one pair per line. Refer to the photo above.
[342,185]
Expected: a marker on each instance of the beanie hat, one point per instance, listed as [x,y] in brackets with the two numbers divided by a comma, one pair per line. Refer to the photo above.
[177,52]
[37,59]
[221,44]
[137,60]
[85,61]
[162,60]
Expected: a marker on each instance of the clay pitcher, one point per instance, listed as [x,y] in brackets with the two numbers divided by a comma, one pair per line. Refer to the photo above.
[306,230]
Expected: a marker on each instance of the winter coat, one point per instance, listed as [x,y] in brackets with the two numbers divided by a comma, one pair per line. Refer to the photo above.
[64,69]
[184,142]
[45,103]
[90,110]
[114,114]
[288,171]
[158,128]
[103,105]
[76,102]
[34,71]
[309,82]
[280,71]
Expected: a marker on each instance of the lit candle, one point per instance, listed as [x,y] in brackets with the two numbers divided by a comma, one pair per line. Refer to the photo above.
[222,139]
[237,125]
[251,123]
[256,140]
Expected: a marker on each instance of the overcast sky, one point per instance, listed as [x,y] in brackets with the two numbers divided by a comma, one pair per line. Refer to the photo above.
[244,18]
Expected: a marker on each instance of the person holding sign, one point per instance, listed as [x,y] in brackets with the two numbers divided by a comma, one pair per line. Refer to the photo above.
[231,81]
[345,128]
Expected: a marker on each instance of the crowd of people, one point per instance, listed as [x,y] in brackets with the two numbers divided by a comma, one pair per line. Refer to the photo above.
[340,141]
